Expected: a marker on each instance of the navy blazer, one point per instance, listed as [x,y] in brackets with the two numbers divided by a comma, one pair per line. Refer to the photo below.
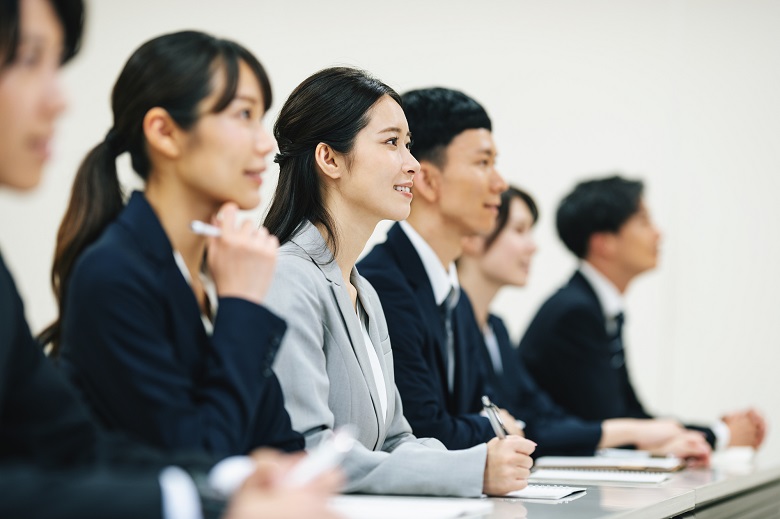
[567,350]
[419,339]
[55,462]
[554,430]
[134,343]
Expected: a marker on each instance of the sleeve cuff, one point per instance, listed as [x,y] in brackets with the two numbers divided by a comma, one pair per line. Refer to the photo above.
[722,435]
[180,498]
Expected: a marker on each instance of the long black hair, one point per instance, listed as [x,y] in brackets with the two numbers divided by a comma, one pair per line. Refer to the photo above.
[174,72]
[329,107]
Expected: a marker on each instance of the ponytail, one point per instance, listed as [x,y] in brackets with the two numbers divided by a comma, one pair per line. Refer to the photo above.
[95,200]
[174,72]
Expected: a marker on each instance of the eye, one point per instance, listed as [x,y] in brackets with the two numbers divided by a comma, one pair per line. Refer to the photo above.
[392,140]
[409,145]
[246,113]
[29,57]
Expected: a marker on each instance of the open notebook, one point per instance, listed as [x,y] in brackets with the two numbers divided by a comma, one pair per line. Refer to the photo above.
[637,463]
[552,492]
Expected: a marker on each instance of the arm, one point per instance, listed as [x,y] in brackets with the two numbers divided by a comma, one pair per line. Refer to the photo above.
[420,383]
[119,335]
[404,465]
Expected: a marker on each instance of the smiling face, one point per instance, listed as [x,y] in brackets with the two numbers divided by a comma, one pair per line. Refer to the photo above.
[378,183]
[508,259]
[30,96]
[471,187]
[224,155]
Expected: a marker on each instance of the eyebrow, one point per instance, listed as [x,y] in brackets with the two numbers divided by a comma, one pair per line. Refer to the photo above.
[394,129]
[487,151]
[248,98]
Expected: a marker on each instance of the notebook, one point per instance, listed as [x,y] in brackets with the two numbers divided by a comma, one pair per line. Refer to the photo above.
[642,463]
[545,492]
[598,476]
[392,507]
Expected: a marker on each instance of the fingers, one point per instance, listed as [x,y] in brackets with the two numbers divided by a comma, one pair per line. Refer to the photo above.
[521,445]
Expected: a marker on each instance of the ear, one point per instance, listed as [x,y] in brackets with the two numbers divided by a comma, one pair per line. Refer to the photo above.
[602,244]
[162,133]
[473,245]
[330,163]
[427,182]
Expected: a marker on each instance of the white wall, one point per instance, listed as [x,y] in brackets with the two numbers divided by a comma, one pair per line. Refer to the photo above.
[681,93]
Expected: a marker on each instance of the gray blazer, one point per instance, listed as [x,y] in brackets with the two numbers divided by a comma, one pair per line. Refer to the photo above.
[327,380]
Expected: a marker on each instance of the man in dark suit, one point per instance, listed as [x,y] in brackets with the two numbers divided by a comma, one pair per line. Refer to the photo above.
[54,461]
[574,345]
[432,328]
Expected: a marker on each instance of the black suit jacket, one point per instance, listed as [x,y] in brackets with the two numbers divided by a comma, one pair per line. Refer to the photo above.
[555,431]
[566,349]
[133,342]
[54,461]
[419,341]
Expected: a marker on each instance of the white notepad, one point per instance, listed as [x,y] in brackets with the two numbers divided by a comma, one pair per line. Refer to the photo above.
[600,476]
[545,492]
[392,507]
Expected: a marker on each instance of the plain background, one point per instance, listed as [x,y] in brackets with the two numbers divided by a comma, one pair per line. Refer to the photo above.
[682,93]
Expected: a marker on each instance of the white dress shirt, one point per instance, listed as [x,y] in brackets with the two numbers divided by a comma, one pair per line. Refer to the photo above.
[376,368]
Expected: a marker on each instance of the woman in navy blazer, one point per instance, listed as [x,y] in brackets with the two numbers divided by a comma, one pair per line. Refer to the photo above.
[503,258]
[163,329]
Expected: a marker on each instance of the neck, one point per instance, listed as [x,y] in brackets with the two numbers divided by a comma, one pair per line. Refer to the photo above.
[352,233]
[481,290]
[619,277]
[176,207]
[434,229]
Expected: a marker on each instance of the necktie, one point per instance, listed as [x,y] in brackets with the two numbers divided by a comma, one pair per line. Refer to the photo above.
[618,359]
[447,308]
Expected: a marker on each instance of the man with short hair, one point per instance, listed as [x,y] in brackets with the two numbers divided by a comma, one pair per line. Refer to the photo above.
[574,345]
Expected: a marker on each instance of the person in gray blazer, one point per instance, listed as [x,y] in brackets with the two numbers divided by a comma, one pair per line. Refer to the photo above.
[345,164]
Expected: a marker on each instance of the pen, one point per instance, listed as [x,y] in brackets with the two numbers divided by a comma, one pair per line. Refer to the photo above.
[204,229]
[323,457]
[491,410]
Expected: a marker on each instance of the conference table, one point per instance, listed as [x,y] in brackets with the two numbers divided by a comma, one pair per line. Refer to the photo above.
[731,488]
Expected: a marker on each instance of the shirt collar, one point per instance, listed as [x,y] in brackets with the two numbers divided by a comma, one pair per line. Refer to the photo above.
[609,296]
[442,280]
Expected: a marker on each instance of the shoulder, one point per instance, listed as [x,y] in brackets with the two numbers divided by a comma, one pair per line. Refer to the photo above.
[114,259]
[570,302]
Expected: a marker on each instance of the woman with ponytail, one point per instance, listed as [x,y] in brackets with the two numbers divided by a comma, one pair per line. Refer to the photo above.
[163,329]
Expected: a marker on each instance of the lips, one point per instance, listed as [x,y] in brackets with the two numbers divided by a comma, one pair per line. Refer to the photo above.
[41,146]
[255,174]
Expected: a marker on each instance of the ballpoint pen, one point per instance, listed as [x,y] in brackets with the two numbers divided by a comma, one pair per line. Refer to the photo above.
[492,412]
[204,229]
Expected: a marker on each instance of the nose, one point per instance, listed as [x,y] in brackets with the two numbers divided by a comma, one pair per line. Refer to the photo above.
[532,246]
[264,142]
[410,165]
[497,183]
[54,99]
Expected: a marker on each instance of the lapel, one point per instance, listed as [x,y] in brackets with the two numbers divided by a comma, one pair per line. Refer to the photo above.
[411,266]
[140,221]
[311,241]
[376,343]
[580,283]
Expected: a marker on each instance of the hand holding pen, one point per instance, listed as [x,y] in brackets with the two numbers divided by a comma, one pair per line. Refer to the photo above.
[241,257]
[508,464]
